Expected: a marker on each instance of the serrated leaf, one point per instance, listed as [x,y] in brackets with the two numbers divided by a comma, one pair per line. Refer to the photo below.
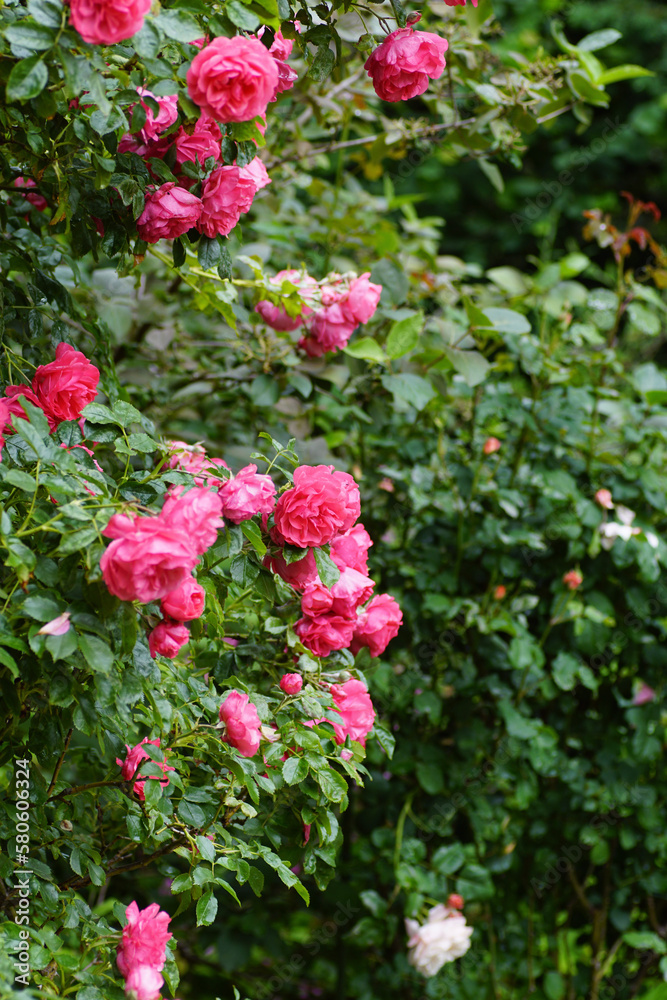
[295,770]
[326,567]
[207,907]
[367,349]
[253,533]
[323,63]
[404,335]
[27,79]
[179,26]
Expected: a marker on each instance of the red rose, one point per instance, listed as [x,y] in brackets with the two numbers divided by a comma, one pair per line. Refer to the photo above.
[65,386]
[321,504]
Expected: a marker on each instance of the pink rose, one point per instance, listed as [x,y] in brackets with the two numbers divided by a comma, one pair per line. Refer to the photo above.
[147,559]
[144,940]
[291,683]
[226,196]
[256,172]
[377,625]
[643,695]
[573,579]
[197,514]
[298,574]
[356,709]
[167,639]
[233,79]
[281,49]
[402,65]
[169,212]
[317,599]
[105,22]
[329,329]
[460,3]
[202,143]
[156,124]
[185,602]
[491,446]
[57,626]
[65,386]
[5,422]
[246,494]
[143,983]
[242,723]
[604,499]
[349,591]
[351,549]
[324,633]
[188,457]
[34,197]
[133,759]
[321,504]
[361,300]
[12,398]
[276,316]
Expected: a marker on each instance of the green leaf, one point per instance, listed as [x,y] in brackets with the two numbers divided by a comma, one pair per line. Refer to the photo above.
[565,670]
[645,941]
[206,848]
[326,567]
[599,40]
[97,653]
[408,388]
[28,35]
[15,477]
[323,63]
[518,725]
[507,320]
[493,174]
[332,784]
[399,12]
[41,608]
[207,907]
[449,859]
[179,26]
[430,777]
[582,87]
[208,252]
[471,364]
[295,770]
[241,16]
[367,349]
[27,79]
[625,72]
[253,533]
[404,335]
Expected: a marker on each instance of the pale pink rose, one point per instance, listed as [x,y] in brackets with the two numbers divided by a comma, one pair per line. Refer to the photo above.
[170,211]
[246,494]
[144,940]
[298,574]
[402,65]
[167,639]
[443,938]
[460,3]
[291,683]
[321,504]
[57,626]
[316,600]
[491,445]
[156,124]
[329,329]
[573,579]
[226,196]
[604,499]
[65,386]
[349,591]
[356,710]
[105,22]
[242,725]
[256,172]
[233,79]
[197,514]
[147,559]
[185,602]
[143,983]
[200,144]
[13,401]
[133,758]
[351,549]
[276,316]
[644,695]
[324,633]
[361,300]
[34,197]
[377,625]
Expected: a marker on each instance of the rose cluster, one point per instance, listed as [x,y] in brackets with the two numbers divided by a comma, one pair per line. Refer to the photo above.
[142,951]
[331,309]
[62,389]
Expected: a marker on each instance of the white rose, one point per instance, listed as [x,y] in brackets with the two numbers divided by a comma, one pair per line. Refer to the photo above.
[444,937]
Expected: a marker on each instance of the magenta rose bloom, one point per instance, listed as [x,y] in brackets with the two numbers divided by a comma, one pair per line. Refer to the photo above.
[226,196]
[402,65]
[233,79]
[329,329]
[65,386]
[156,124]
[351,549]
[316,600]
[356,709]
[13,397]
[321,504]
[144,983]
[133,759]
[144,940]
[377,625]
[5,422]
[350,590]
[169,212]
[36,199]
[256,172]
[460,3]
[185,602]
[196,514]
[276,316]
[291,683]
[200,144]
[242,723]
[324,633]
[297,574]
[147,559]
[167,639]
[105,22]
[361,300]
[246,494]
